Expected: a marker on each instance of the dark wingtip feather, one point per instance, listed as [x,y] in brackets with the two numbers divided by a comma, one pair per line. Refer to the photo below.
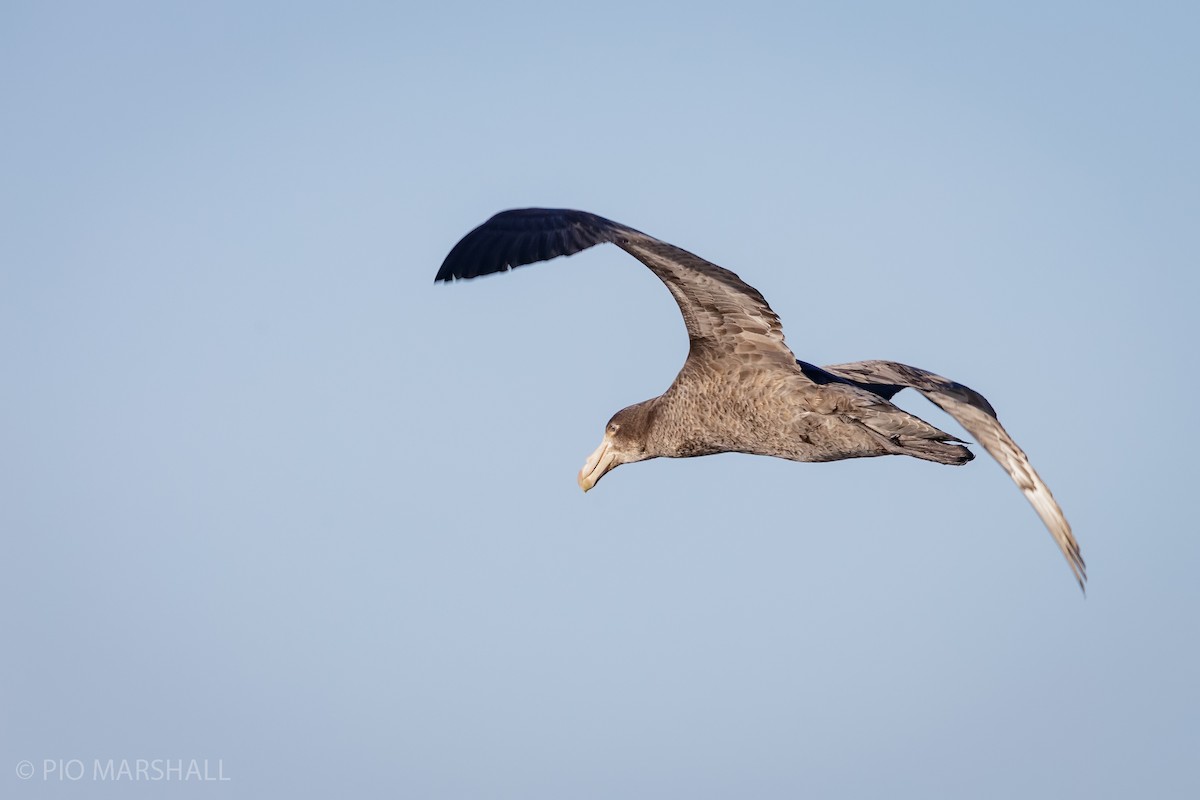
[524,236]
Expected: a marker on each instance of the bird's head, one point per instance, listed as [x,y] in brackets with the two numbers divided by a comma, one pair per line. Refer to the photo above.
[625,440]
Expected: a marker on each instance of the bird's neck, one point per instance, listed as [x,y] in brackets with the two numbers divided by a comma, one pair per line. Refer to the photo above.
[680,426]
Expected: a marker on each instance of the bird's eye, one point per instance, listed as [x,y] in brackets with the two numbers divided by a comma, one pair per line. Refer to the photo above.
[613,427]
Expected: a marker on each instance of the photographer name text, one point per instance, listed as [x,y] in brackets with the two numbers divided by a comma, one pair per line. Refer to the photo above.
[133,770]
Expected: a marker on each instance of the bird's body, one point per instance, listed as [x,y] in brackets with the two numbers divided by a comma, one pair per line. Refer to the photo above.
[741,388]
[779,412]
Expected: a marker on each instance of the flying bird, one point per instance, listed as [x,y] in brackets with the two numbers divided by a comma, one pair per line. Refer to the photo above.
[741,389]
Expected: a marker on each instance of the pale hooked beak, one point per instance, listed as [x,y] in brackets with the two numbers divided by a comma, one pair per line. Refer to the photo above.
[597,464]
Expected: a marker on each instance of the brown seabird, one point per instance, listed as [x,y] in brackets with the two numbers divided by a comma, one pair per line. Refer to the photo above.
[741,389]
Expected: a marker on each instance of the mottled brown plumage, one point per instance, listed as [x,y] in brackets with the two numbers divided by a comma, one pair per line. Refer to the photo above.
[741,388]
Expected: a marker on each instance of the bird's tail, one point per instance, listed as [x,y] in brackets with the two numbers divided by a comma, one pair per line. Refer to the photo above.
[943,452]
[904,434]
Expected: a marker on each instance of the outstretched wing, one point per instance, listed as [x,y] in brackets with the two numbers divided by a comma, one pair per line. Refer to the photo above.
[724,315]
[975,413]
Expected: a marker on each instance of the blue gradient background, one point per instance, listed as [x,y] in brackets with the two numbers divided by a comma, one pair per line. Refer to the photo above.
[272,497]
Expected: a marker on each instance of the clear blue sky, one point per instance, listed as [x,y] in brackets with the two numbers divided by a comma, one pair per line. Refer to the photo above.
[272,497]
